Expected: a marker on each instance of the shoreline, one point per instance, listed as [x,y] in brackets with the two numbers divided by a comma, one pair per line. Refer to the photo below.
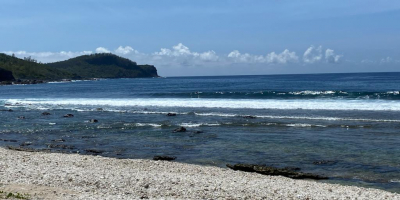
[43,175]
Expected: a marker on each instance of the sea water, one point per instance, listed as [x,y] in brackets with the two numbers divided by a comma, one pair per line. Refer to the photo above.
[350,120]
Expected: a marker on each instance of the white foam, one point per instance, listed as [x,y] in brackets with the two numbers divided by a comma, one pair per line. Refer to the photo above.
[198,124]
[304,125]
[315,104]
[148,124]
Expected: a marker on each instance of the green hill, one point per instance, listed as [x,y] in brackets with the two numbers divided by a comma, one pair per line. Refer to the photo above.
[105,65]
[28,69]
[82,67]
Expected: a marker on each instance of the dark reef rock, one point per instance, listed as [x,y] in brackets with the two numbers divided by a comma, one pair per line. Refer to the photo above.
[171,114]
[27,149]
[168,158]
[249,117]
[180,129]
[324,162]
[25,144]
[94,151]
[5,140]
[273,171]
[46,113]
[197,131]
[69,115]
[93,121]
[60,146]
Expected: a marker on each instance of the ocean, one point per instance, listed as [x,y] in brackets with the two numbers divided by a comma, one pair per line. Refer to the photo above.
[344,126]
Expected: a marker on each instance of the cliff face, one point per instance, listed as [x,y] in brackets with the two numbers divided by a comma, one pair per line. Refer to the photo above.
[6,75]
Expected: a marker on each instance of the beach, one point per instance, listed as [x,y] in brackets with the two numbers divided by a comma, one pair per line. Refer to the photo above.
[40,175]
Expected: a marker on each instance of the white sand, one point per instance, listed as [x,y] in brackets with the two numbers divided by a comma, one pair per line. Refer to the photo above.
[71,176]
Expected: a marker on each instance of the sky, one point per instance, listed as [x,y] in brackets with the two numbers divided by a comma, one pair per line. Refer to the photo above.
[208,37]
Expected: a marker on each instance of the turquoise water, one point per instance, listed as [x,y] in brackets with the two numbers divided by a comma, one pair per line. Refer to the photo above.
[349,119]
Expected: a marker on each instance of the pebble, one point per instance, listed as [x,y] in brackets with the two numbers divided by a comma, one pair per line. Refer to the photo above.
[48,176]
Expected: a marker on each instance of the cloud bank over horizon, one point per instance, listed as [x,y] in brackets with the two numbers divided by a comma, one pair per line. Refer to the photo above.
[180,56]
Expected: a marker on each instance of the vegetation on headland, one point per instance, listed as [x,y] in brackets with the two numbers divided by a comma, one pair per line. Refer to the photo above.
[104,65]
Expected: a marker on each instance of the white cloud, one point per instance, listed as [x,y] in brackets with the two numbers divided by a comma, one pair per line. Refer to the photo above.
[386,60]
[312,54]
[102,50]
[125,50]
[182,56]
[331,57]
[209,56]
[282,58]
[272,58]
[238,57]
[367,61]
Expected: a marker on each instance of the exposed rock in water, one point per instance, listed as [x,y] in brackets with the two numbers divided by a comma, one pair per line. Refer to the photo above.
[88,136]
[46,113]
[5,140]
[99,109]
[273,171]
[93,121]
[197,131]
[27,149]
[171,114]
[324,162]
[58,140]
[168,158]
[61,146]
[180,129]
[25,144]
[69,115]
[94,151]
[249,117]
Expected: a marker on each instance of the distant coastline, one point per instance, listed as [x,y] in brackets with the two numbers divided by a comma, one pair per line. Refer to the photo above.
[14,70]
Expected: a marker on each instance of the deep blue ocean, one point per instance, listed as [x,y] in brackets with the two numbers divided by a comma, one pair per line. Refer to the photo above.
[350,120]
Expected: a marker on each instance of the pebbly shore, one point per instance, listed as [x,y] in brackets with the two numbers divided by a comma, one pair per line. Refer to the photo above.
[40,175]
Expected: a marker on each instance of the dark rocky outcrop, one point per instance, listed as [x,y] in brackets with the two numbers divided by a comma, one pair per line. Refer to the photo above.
[60,146]
[94,151]
[324,162]
[197,131]
[93,121]
[68,115]
[46,113]
[27,149]
[168,158]
[5,140]
[8,110]
[171,114]
[6,75]
[58,140]
[180,129]
[25,144]
[273,171]
[249,117]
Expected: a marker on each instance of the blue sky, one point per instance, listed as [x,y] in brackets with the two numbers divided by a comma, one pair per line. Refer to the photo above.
[210,37]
